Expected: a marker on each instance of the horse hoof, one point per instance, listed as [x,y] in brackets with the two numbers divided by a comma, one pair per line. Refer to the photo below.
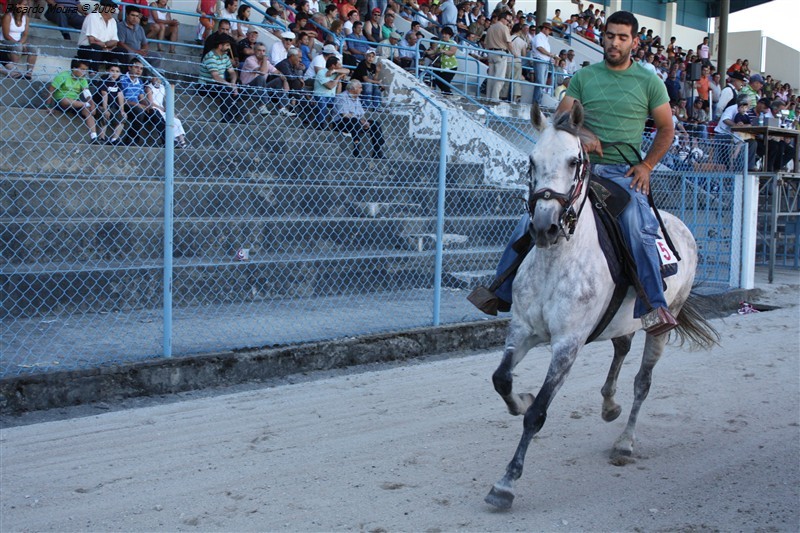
[500,498]
[612,414]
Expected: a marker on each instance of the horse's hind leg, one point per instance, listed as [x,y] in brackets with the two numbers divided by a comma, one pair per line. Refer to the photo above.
[653,348]
[611,410]
[518,342]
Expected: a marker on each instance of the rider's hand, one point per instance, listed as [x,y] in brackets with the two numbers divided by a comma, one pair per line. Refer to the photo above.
[594,146]
[641,178]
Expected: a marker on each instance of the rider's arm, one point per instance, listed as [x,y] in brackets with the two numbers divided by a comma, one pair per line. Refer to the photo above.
[665,132]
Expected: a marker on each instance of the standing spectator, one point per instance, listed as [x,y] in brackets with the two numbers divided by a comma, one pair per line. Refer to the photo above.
[132,39]
[15,36]
[206,23]
[349,118]
[519,49]
[279,49]
[498,39]
[156,94]
[69,90]
[99,39]
[702,85]
[66,14]
[673,85]
[368,72]
[111,105]
[218,79]
[730,93]
[541,52]
[703,51]
[447,61]
[448,15]
[163,25]
[327,85]
[258,72]
[715,88]
[138,113]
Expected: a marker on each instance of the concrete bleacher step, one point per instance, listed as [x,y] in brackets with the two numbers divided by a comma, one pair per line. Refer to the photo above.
[119,287]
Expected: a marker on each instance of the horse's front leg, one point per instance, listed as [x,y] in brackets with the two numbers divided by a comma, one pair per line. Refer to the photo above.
[564,353]
[611,410]
[653,348]
[518,342]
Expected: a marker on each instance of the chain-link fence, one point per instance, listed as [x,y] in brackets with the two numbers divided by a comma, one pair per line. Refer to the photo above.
[283,222]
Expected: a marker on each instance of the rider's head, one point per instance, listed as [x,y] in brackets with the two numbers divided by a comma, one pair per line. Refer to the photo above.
[624,18]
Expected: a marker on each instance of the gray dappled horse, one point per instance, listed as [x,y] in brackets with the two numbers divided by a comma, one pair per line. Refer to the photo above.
[564,286]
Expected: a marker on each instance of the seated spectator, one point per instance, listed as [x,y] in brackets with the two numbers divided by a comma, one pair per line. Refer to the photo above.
[142,5]
[387,28]
[305,49]
[98,41]
[478,27]
[561,90]
[66,14]
[781,151]
[15,37]
[741,118]
[218,79]
[681,112]
[163,26]
[698,119]
[372,27]
[279,50]
[347,27]
[247,46]
[318,63]
[349,118]
[132,39]
[156,94]
[357,43]
[724,134]
[242,16]
[230,13]
[206,24]
[292,69]
[110,103]
[557,21]
[389,52]
[367,72]
[477,51]
[223,33]
[141,118]
[327,85]
[407,55]
[69,90]
[259,73]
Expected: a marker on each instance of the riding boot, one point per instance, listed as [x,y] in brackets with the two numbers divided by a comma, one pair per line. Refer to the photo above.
[659,321]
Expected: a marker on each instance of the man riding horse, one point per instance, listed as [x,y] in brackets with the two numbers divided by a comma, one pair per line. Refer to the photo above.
[618,95]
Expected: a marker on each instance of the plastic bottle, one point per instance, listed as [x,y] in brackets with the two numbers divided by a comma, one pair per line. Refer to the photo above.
[761,119]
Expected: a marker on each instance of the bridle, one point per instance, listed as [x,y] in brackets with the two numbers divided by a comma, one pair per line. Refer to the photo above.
[569,216]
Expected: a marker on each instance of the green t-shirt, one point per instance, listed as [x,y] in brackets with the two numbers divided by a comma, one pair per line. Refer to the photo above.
[617,104]
[68,86]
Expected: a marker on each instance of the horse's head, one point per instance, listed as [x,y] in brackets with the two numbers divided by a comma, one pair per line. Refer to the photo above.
[558,166]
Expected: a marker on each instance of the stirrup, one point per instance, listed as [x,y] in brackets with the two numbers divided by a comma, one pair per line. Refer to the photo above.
[487,301]
[659,321]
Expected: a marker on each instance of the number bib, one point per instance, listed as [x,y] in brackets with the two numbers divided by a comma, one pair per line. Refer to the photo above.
[666,255]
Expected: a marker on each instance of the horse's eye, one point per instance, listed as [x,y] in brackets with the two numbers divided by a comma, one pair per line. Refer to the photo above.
[574,162]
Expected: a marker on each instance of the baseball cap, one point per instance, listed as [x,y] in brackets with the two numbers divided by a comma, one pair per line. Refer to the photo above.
[395,35]
[288,35]
[756,78]
[370,51]
[376,11]
[329,49]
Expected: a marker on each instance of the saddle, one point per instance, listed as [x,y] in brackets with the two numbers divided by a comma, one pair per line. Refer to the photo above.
[608,200]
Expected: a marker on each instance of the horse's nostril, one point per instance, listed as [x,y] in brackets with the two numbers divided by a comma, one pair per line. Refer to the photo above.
[552,231]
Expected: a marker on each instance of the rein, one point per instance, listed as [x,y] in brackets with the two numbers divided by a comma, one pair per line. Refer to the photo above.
[569,216]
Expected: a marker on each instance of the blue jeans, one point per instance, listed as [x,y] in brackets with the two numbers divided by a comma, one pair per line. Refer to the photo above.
[540,68]
[371,96]
[323,103]
[640,227]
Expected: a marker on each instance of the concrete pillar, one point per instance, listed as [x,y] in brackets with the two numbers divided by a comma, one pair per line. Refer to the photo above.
[613,5]
[541,12]
[670,21]
[724,11]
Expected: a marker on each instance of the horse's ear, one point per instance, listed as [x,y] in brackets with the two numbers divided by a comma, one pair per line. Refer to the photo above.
[576,114]
[537,117]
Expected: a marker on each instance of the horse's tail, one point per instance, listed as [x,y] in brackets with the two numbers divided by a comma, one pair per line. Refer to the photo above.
[693,326]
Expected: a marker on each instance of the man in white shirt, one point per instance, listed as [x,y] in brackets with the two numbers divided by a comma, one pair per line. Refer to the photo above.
[541,52]
[280,50]
[572,64]
[318,63]
[724,134]
[729,94]
[99,39]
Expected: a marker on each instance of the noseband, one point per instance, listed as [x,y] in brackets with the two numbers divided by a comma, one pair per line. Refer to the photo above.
[569,216]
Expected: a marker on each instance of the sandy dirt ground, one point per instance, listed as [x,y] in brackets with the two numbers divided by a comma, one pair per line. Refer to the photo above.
[417,447]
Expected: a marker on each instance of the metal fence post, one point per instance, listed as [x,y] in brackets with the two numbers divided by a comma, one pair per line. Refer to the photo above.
[437,274]
[169,190]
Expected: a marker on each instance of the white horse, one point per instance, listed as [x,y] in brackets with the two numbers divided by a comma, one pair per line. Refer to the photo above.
[564,286]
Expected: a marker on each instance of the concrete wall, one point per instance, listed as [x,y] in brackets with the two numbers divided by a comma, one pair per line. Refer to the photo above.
[782,62]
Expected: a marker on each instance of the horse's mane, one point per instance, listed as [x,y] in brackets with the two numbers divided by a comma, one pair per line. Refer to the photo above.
[563,122]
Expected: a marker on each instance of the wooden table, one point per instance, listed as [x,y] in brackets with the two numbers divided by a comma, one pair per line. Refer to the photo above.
[769,133]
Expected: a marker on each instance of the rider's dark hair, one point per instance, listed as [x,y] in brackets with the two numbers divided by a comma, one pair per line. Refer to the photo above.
[625,18]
